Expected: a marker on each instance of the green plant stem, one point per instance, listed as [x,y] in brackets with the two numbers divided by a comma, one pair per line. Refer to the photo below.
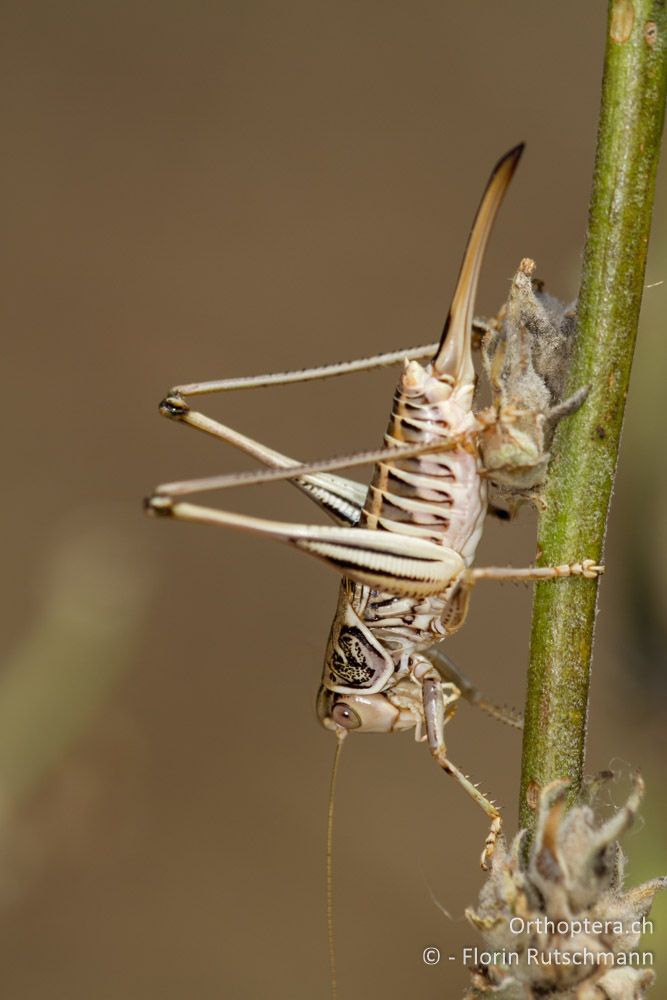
[578,490]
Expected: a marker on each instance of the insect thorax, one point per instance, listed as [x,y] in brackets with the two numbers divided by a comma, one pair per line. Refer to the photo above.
[374,635]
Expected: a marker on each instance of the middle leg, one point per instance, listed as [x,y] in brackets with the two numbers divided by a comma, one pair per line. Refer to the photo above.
[586,568]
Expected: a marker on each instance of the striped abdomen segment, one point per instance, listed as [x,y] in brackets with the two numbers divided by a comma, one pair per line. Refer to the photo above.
[439,496]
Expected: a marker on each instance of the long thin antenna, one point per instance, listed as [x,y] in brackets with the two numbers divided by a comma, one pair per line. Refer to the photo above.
[340,736]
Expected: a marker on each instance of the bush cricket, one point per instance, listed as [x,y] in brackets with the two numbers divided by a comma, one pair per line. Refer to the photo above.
[405,545]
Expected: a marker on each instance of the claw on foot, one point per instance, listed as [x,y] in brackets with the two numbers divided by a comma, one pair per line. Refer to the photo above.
[490,843]
[590,570]
[587,568]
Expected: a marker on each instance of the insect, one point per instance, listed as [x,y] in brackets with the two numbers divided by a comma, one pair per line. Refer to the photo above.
[405,545]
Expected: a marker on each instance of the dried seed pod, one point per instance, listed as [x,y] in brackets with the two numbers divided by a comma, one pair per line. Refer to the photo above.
[560,924]
[526,353]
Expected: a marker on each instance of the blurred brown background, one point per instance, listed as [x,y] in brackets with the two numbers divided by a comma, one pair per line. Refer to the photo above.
[216,188]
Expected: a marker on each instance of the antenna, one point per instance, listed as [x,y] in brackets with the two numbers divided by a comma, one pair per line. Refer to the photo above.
[340,736]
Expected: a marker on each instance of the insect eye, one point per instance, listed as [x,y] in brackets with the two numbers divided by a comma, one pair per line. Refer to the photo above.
[345,716]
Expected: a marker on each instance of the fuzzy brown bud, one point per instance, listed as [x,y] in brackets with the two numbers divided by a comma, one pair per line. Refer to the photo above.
[558,923]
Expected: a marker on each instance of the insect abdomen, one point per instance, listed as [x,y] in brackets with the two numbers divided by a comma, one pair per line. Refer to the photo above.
[438,496]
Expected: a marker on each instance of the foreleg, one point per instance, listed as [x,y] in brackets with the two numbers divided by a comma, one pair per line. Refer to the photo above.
[434,714]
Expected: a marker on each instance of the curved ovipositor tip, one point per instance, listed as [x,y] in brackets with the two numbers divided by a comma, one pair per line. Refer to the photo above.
[454,354]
